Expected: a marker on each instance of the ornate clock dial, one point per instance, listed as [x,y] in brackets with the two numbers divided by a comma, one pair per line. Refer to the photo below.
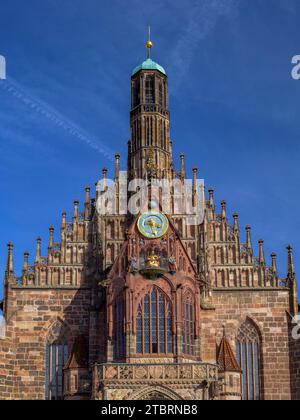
[153,225]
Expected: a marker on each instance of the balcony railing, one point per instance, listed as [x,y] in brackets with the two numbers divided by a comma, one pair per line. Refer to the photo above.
[166,372]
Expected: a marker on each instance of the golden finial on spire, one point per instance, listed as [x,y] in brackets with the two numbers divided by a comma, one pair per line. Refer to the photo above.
[149,44]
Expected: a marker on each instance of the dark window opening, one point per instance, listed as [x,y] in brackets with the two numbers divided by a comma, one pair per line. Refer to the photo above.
[150,90]
[119,332]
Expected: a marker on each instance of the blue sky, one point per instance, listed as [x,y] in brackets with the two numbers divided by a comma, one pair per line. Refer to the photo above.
[234,106]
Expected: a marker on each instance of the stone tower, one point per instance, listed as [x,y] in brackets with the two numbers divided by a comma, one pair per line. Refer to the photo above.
[150,147]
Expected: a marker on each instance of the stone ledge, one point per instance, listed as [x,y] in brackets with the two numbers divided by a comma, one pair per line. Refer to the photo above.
[20,287]
[253,289]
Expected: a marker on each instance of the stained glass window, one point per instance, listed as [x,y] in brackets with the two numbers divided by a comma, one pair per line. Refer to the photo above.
[56,357]
[188,333]
[248,356]
[154,324]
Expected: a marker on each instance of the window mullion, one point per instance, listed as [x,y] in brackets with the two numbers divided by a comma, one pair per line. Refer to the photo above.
[247,370]
[241,365]
[143,329]
[157,322]
[56,370]
[50,371]
[253,372]
[166,332]
[150,323]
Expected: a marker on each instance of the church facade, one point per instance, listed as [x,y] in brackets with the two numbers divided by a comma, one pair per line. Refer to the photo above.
[149,305]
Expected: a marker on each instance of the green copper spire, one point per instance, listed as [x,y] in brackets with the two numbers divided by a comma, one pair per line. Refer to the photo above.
[149,64]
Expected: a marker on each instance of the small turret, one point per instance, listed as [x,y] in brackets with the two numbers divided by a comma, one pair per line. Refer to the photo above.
[292,282]
[76,372]
[76,207]
[224,210]
[9,277]
[38,250]
[51,236]
[26,263]
[195,186]
[291,266]
[236,222]
[104,173]
[249,240]
[211,198]
[274,262]
[262,259]
[87,195]
[117,160]
[182,168]
[64,220]
[10,260]
[230,371]
[87,204]
[98,189]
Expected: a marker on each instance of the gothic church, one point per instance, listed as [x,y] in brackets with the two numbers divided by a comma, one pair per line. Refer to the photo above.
[149,307]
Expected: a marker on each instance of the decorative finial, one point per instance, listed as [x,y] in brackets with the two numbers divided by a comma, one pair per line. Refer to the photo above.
[211,197]
[149,44]
[38,250]
[291,266]
[51,236]
[274,262]
[10,260]
[224,213]
[261,252]
[236,222]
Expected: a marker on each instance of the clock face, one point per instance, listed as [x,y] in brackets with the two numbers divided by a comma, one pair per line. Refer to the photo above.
[153,225]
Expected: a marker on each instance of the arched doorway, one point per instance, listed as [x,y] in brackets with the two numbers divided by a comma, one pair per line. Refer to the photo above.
[157,393]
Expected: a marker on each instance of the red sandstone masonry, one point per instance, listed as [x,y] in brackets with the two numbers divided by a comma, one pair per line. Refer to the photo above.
[268,309]
[22,360]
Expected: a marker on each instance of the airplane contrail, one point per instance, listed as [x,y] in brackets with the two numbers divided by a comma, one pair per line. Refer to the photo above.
[11,86]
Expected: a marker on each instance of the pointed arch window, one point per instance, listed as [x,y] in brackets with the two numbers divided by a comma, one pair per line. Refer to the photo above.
[57,355]
[248,355]
[119,329]
[188,332]
[154,324]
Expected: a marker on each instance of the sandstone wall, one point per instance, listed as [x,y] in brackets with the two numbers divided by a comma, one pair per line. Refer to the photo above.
[268,310]
[32,315]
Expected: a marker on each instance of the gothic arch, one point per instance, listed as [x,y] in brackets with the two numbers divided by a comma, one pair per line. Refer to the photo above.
[160,289]
[154,321]
[249,352]
[188,317]
[58,331]
[252,320]
[170,285]
[155,393]
[187,291]
[189,283]
[57,348]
